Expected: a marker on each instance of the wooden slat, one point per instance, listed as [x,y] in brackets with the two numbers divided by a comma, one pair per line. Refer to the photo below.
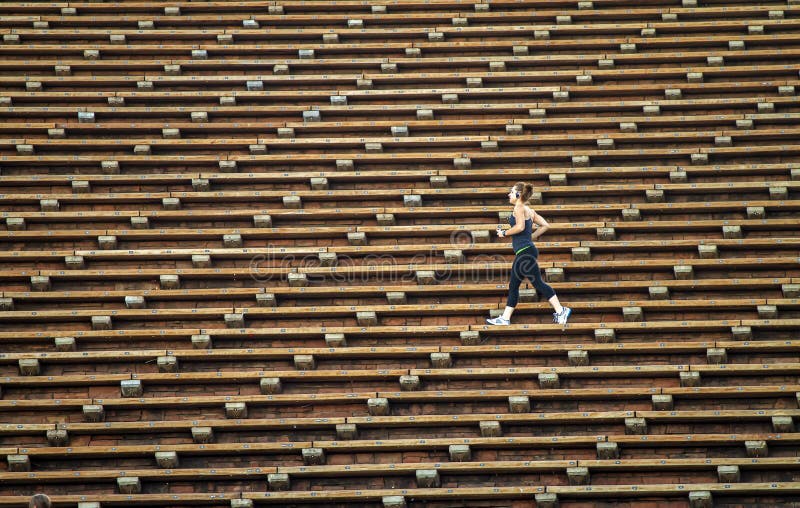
[183,449]
[186,425]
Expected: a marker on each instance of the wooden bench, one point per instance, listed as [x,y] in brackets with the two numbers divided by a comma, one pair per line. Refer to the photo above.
[487,467]
[433,143]
[590,309]
[280,293]
[404,353]
[168,499]
[601,156]
[391,445]
[420,126]
[683,41]
[328,62]
[399,331]
[488,193]
[462,175]
[604,212]
[392,19]
[698,395]
[581,30]
[522,372]
[378,272]
[569,418]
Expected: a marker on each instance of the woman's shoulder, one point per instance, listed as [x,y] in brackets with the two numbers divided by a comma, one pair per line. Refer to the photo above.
[528,211]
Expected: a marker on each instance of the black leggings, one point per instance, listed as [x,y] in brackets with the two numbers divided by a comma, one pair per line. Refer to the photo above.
[526,266]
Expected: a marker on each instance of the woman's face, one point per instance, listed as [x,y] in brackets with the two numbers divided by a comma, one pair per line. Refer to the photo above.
[512,196]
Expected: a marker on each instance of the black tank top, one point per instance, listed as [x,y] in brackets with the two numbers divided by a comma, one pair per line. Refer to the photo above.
[521,240]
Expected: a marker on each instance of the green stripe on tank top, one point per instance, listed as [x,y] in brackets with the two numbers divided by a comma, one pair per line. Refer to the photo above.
[522,249]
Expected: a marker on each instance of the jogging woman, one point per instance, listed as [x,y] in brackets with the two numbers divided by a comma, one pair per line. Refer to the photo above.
[526,256]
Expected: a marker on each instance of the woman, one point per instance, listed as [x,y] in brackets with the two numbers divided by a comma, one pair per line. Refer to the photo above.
[525,261]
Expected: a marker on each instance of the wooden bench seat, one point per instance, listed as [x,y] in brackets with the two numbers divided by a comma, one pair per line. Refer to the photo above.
[504,157]
[684,41]
[438,142]
[26,429]
[486,193]
[404,33]
[700,439]
[326,63]
[346,471]
[417,126]
[194,377]
[664,208]
[157,7]
[762,284]
[181,315]
[436,212]
[439,332]
[613,393]
[522,12]
[711,225]
[733,244]
[477,373]
[457,352]
[430,420]
[778,74]
[687,326]
[190,355]
[626,491]
[644,441]
[770,243]
[532,466]
[567,418]
[239,425]
[589,309]
[459,175]
[385,21]
[295,215]
[677,490]
[571,267]
[178,234]
[188,403]
[388,445]
[674,77]
[605,214]
[185,334]
[211,449]
[512,173]
[485,468]
[246,6]
[420,126]
[501,494]
[409,397]
[602,371]
[215,499]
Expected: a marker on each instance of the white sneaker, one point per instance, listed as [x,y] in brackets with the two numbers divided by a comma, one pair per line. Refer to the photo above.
[562,317]
[499,320]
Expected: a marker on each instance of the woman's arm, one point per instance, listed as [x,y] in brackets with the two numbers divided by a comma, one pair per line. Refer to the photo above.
[519,225]
[543,225]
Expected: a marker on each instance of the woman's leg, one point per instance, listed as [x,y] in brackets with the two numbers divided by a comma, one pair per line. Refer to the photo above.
[534,273]
[515,279]
[556,304]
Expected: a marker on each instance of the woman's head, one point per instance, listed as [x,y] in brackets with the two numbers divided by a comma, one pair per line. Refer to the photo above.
[39,501]
[520,192]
